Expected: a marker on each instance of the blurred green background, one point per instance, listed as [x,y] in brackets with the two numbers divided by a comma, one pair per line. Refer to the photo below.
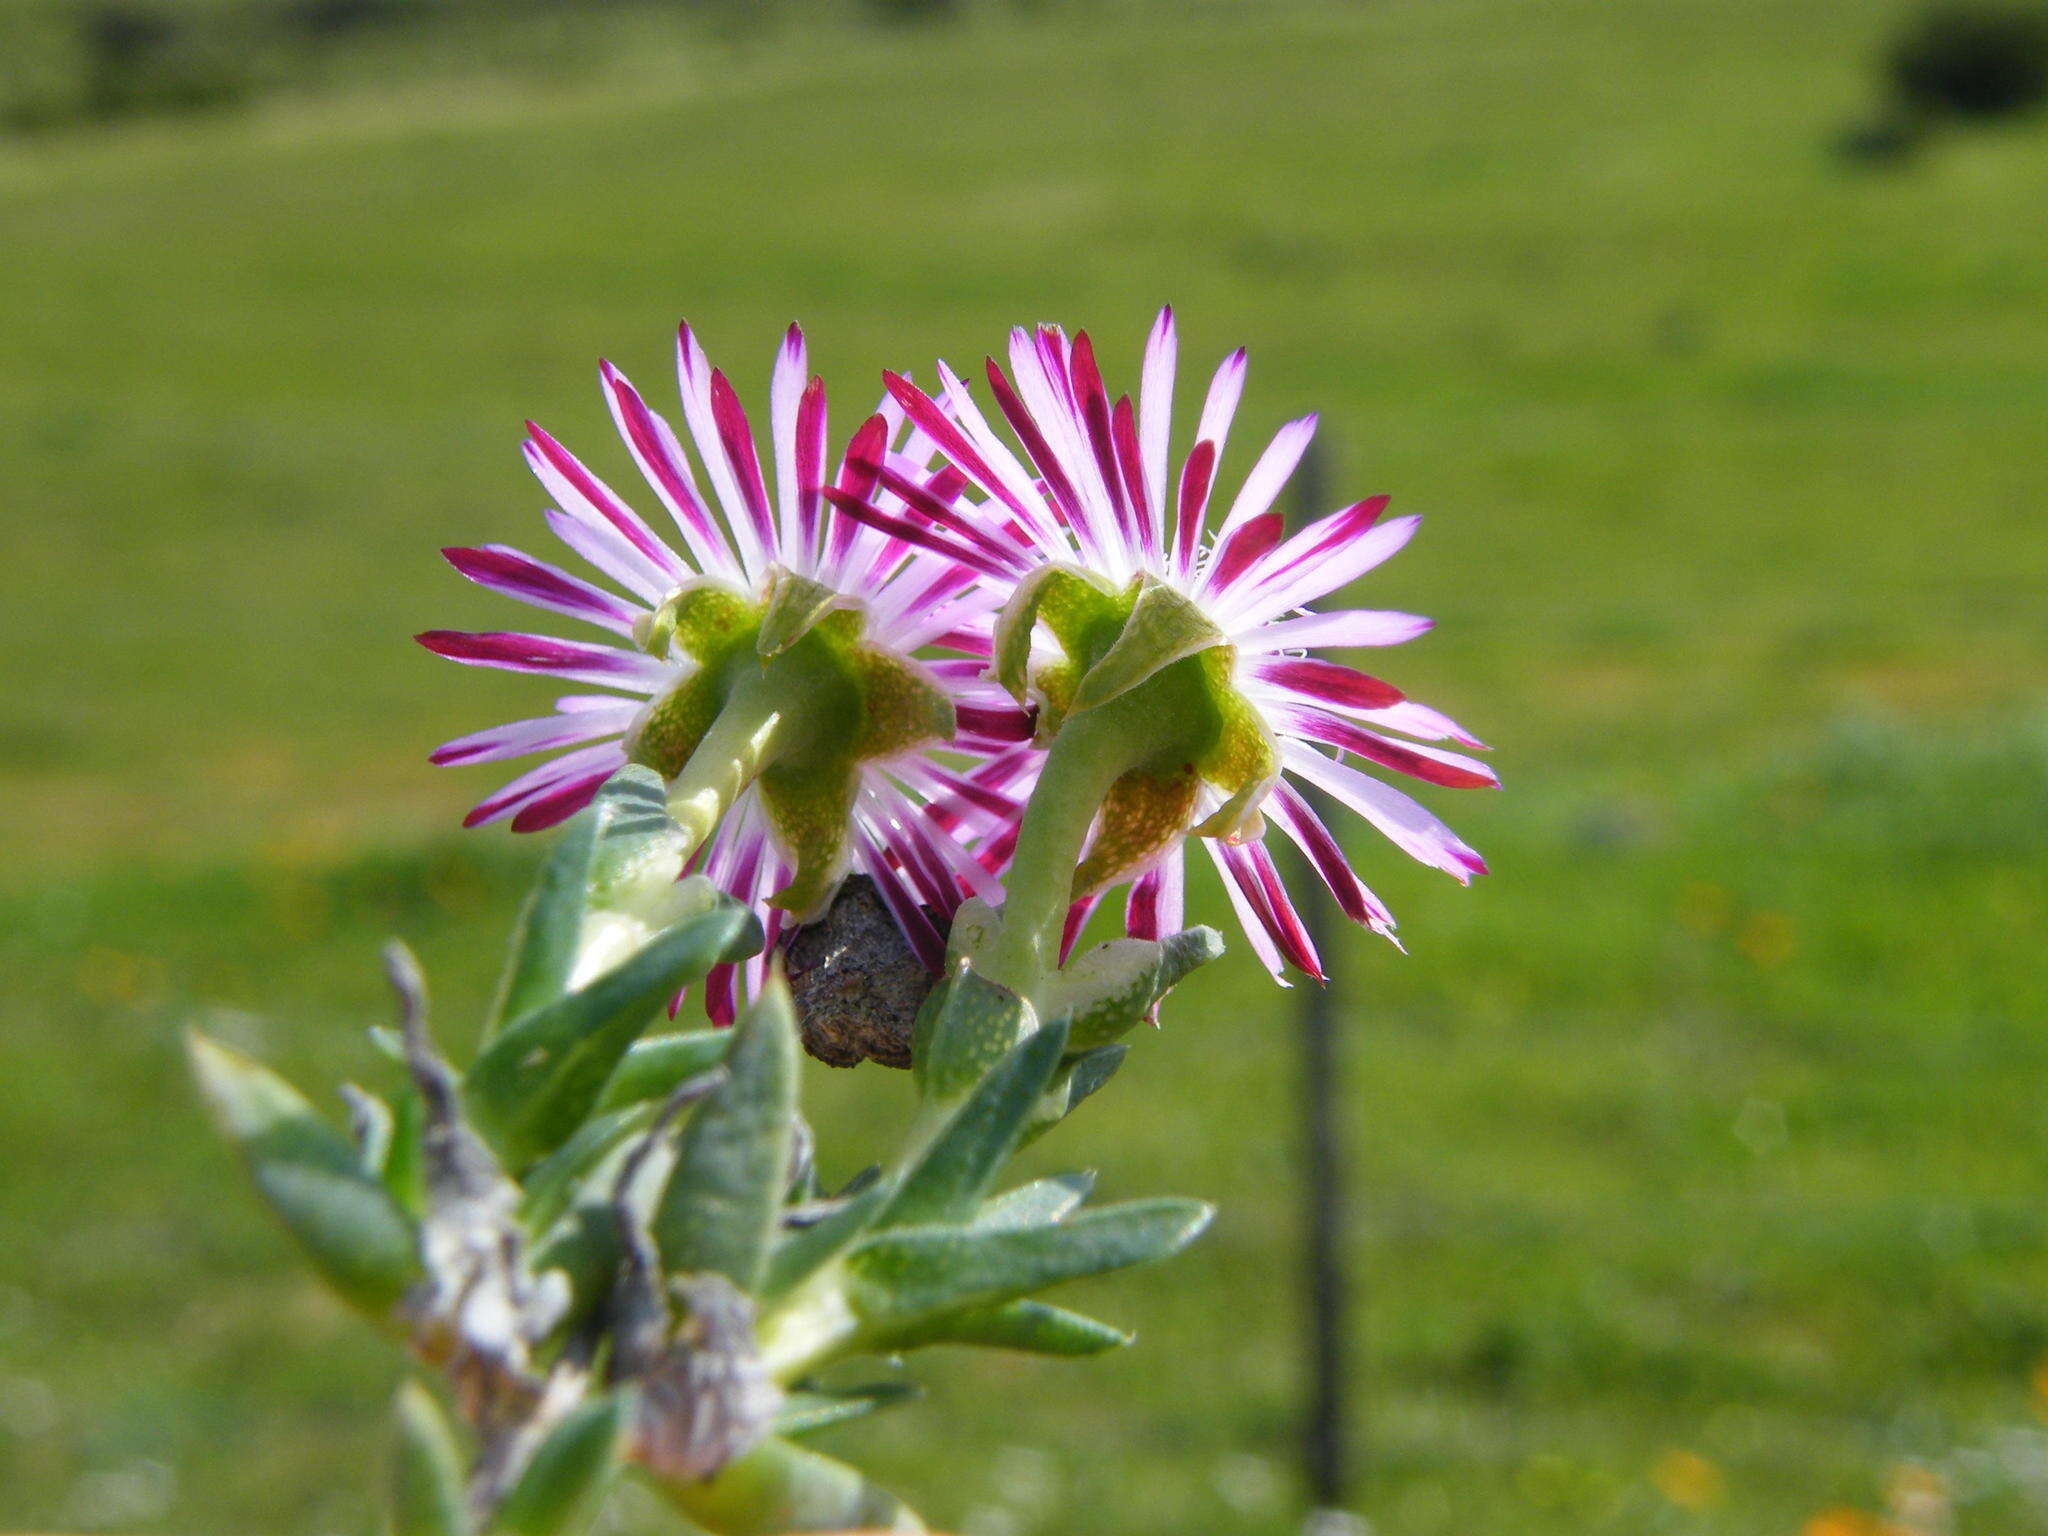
[1697,1154]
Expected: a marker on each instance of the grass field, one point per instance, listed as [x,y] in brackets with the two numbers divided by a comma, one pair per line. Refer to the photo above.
[1698,1152]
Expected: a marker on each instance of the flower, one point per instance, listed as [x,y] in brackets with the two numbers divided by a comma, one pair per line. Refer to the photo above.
[765,668]
[1112,592]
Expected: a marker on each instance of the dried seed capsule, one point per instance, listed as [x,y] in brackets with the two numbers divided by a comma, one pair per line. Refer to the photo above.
[856,983]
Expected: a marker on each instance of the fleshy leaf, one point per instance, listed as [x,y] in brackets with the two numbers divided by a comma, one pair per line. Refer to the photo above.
[1038,1203]
[1031,1327]
[426,1469]
[804,1413]
[1182,952]
[1164,627]
[720,1207]
[539,1079]
[965,1027]
[655,1067]
[311,1176]
[802,1251]
[559,1491]
[617,858]
[1077,1079]
[1105,992]
[948,1180]
[904,1276]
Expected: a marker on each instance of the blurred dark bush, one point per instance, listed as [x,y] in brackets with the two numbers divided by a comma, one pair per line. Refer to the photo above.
[1973,61]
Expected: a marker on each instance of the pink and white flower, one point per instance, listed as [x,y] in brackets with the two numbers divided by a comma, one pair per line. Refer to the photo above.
[914,816]
[1093,490]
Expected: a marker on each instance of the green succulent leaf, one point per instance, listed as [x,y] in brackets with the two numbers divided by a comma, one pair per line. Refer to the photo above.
[312,1177]
[1180,953]
[804,1413]
[559,1491]
[426,1469]
[1038,1203]
[947,1181]
[965,1027]
[1030,1327]
[914,1273]
[720,1208]
[1105,992]
[1079,1078]
[554,1183]
[654,1068]
[801,1252]
[539,1079]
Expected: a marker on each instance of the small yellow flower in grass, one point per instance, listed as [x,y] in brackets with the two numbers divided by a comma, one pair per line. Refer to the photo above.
[2040,1381]
[1766,940]
[1688,1480]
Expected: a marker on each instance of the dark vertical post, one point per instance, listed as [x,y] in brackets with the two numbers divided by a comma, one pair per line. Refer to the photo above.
[1326,1428]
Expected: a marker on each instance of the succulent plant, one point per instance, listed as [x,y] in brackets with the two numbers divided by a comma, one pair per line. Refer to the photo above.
[607,1248]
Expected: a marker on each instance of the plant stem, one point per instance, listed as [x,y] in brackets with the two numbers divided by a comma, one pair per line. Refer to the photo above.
[1092,751]
[740,743]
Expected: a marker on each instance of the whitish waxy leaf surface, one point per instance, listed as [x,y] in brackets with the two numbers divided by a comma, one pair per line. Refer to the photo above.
[913,1273]
[720,1207]
[947,1182]
[1029,1327]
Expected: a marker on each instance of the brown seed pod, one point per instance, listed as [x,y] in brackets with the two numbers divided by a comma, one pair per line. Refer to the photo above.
[856,984]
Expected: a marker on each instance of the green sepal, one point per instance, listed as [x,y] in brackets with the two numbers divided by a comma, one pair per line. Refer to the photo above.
[1038,1203]
[311,1175]
[1164,627]
[805,1413]
[800,1252]
[1143,817]
[810,806]
[965,1027]
[1078,1078]
[724,1196]
[795,604]
[902,706]
[562,1485]
[655,1067]
[539,1079]
[903,1277]
[426,1489]
[705,620]
[1070,601]
[1030,1327]
[949,1178]
[1243,759]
